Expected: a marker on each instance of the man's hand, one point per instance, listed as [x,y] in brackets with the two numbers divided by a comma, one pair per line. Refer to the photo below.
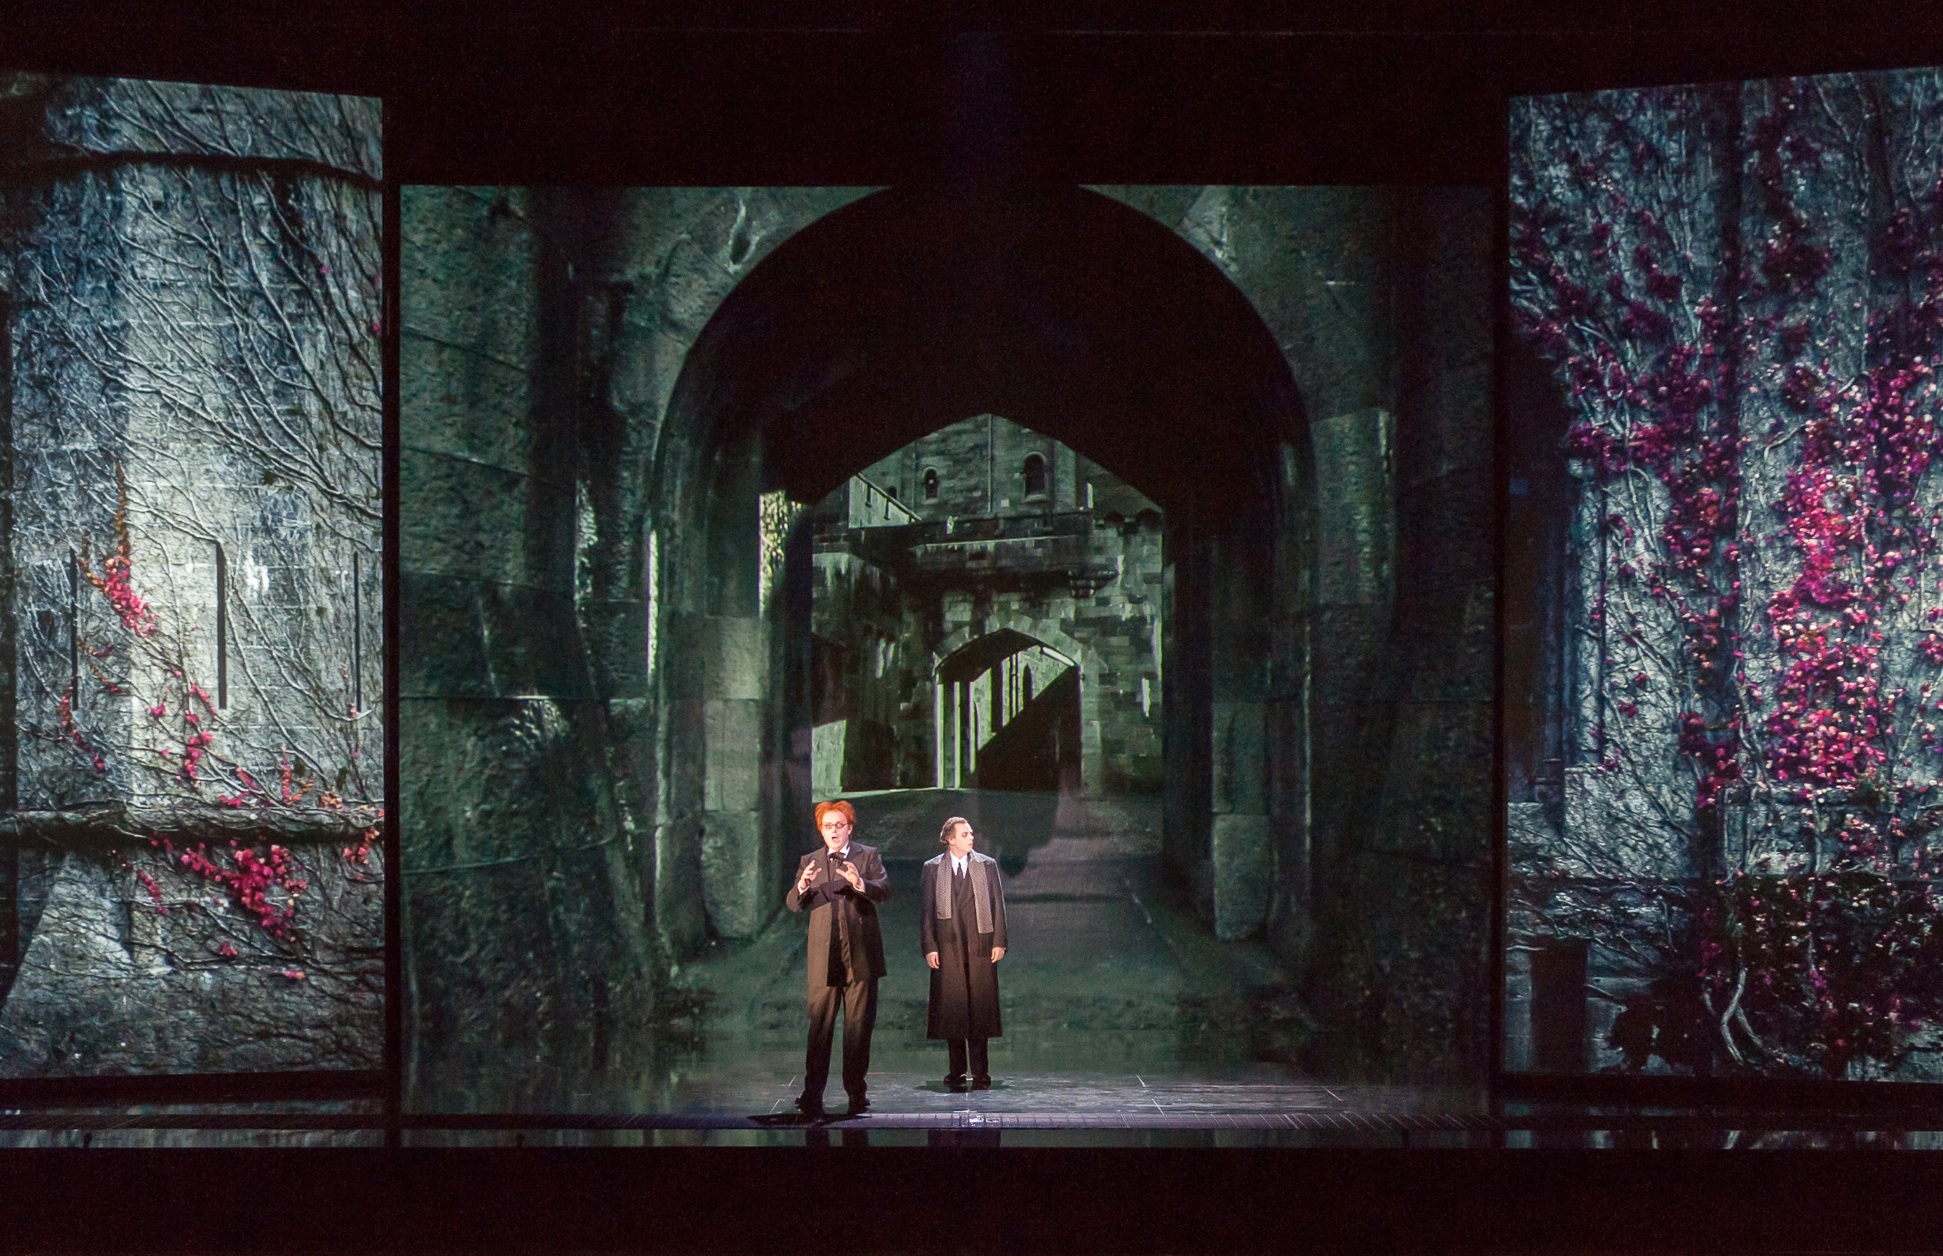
[803,881]
[849,873]
[931,958]
[998,953]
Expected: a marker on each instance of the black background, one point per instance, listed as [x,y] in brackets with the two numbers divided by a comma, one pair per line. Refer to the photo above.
[763,93]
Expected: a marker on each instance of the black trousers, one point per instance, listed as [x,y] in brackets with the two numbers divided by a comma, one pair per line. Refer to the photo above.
[980,1067]
[859,1003]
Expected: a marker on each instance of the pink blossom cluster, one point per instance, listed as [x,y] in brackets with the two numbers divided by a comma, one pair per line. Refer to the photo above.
[250,876]
[1851,512]
[136,615]
[1658,390]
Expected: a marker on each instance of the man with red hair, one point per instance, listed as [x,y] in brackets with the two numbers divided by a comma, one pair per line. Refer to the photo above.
[841,885]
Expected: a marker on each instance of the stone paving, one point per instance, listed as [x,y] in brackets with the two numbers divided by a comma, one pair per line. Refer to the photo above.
[1265,1098]
[1120,1008]
[904,823]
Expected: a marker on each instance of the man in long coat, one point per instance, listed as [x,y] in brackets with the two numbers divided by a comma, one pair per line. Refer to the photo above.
[962,914]
[841,885]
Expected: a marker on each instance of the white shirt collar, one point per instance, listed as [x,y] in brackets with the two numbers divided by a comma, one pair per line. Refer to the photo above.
[960,862]
[839,854]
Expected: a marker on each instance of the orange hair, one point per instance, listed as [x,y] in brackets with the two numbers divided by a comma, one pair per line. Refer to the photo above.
[825,808]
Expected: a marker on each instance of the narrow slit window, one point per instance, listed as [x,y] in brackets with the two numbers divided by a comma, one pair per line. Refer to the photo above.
[73,626]
[930,484]
[222,627]
[357,631]
[1035,475]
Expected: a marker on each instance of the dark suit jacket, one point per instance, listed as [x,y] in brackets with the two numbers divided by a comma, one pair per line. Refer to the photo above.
[830,894]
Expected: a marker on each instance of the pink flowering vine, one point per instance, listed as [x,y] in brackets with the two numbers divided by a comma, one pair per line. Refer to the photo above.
[116,578]
[1657,346]
[262,878]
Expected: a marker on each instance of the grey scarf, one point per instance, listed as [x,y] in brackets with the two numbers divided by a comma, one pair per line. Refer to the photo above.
[975,865]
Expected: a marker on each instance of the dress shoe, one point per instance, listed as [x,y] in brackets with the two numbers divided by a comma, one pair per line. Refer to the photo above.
[956,1082]
[859,1105]
[810,1105]
[981,1082]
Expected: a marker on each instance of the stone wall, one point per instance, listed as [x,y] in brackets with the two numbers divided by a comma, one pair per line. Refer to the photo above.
[1723,738]
[1381,301]
[583,472]
[192,581]
[867,694]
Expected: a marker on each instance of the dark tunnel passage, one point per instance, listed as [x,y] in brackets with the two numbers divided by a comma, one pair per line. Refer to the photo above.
[912,337]
[625,414]
[1074,318]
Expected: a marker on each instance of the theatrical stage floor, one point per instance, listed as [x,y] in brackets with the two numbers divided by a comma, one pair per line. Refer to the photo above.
[1126,1023]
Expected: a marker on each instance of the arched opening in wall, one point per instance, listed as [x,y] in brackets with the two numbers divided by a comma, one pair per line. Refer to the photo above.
[957,644]
[999,726]
[998,319]
[1034,475]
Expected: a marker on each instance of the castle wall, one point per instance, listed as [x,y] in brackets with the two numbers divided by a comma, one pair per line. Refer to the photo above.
[192,592]
[995,577]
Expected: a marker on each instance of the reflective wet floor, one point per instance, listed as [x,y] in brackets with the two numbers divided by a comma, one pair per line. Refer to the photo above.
[1119,1005]
[1127,1023]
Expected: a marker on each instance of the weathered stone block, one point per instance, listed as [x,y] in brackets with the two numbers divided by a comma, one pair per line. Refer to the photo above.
[1768,837]
[110,984]
[1355,470]
[467,285]
[1466,658]
[735,657]
[1442,750]
[733,731]
[457,517]
[732,877]
[1240,758]
[826,758]
[441,649]
[532,642]
[1612,828]
[466,403]
[1449,534]
[1348,652]
[1244,863]
[616,634]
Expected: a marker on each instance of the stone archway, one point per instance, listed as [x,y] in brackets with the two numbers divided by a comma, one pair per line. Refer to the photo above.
[605,391]
[910,309]
[1053,635]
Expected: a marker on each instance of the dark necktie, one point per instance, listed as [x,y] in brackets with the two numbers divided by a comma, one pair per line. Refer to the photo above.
[840,954]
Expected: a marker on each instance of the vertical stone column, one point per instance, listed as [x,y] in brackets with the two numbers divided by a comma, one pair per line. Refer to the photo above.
[193,274]
[1240,836]
[530,945]
[1425,879]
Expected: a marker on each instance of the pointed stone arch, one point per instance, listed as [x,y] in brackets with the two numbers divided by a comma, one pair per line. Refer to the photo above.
[1054,635]
[913,308]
